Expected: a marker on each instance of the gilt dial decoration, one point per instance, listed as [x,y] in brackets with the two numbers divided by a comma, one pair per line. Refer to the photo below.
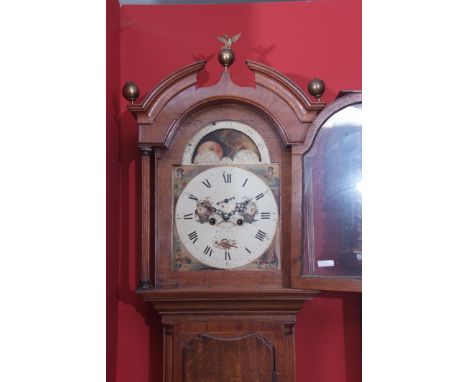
[226,217]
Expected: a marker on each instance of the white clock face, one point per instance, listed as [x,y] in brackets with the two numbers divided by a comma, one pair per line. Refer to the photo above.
[226,217]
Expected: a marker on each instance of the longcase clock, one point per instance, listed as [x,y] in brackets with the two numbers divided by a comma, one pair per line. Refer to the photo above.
[218,221]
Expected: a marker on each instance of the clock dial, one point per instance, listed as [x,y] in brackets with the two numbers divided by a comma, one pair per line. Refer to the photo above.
[226,217]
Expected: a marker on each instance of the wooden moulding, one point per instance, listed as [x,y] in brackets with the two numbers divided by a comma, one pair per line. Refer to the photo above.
[167,104]
[332,108]
[145,278]
[227,302]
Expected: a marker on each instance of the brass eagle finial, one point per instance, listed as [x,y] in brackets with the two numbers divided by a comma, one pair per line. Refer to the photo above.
[228,41]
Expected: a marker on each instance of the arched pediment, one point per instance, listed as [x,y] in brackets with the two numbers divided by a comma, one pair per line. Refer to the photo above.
[175,97]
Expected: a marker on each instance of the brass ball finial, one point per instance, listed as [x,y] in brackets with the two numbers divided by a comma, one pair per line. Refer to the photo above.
[130,91]
[226,57]
[316,88]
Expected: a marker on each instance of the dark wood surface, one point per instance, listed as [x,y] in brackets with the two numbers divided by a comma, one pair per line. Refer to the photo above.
[252,358]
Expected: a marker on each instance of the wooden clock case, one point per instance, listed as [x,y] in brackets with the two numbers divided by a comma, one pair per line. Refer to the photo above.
[221,325]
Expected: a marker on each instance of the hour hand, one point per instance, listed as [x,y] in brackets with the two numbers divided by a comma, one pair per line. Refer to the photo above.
[244,203]
[240,207]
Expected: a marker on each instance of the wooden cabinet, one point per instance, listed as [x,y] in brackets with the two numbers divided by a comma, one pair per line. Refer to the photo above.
[226,320]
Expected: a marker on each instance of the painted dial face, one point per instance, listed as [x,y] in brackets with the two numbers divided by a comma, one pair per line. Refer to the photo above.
[226,217]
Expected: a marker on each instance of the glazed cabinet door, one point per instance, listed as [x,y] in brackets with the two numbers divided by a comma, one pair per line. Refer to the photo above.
[331,212]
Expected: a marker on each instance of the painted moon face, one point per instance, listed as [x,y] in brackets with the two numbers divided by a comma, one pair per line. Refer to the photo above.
[246,156]
[226,160]
[211,146]
[206,157]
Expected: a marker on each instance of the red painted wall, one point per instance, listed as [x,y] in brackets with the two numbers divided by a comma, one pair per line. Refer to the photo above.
[112,182]
[302,40]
